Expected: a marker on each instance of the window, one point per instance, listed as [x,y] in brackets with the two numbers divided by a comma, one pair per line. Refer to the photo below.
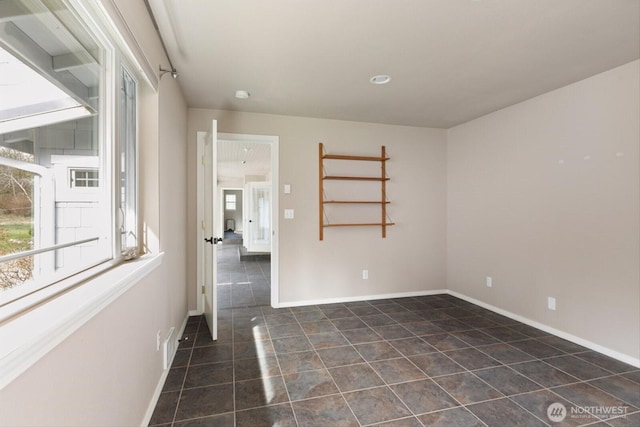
[128,165]
[64,90]
[83,178]
[230,202]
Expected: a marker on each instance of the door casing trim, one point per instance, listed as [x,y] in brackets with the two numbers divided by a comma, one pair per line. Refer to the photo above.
[274,141]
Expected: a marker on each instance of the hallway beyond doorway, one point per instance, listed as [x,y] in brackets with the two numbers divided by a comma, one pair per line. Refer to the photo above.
[242,283]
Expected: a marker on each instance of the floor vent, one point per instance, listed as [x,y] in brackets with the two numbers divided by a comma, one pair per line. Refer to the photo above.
[169,349]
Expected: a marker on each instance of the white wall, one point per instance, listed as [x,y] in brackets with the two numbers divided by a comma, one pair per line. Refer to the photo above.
[410,259]
[544,197]
[106,373]
[173,201]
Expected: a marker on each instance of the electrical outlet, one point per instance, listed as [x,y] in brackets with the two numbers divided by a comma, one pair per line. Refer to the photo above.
[489,281]
[158,336]
[365,274]
[551,303]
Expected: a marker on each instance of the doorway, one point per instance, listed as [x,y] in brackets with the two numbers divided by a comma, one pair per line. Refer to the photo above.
[236,155]
[232,207]
[258,230]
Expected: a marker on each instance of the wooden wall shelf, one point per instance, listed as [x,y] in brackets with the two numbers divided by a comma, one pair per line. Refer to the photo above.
[382,179]
[356,178]
[352,202]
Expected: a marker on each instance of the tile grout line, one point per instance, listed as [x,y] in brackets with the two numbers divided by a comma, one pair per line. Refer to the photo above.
[440,386]
[503,394]
[275,354]
[175,412]
[233,362]
[401,323]
[460,405]
[386,384]
[315,350]
[543,387]
[326,368]
[352,391]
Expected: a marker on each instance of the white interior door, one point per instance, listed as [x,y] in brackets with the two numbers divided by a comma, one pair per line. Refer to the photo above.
[259,216]
[209,235]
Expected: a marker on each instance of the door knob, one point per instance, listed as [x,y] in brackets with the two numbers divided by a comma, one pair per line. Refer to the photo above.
[213,240]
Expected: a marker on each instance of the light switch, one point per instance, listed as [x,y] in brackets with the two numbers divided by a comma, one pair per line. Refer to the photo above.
[287,189]
[288,214]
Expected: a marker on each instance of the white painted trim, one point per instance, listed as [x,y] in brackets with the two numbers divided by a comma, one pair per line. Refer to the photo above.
[30,336]
[121,32]
[195,312]
[163,379]
[199,178]
[362,298]
[275,212]
[275,206]
[569,337]
[155,398]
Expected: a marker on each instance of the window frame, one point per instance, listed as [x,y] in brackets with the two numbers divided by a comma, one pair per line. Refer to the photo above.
[35,324]
[117,57]
[86,178]
[230,205]
[126,224]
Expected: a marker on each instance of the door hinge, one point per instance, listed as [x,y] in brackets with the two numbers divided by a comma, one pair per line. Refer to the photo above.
[204,161]
[202,289]
[203,225]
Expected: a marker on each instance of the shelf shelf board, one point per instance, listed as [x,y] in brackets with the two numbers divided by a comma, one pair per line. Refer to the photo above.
[382,179]
[361,224]
[371,202]
[363,158]
[354,178]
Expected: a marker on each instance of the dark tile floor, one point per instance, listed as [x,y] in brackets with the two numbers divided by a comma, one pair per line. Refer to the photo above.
[432,361]
[241,283]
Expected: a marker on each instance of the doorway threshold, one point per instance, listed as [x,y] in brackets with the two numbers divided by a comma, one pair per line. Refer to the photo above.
[253,256]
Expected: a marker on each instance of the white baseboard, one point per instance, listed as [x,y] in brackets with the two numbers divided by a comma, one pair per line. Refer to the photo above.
[155,398]
[194,313]
[163,378]
[569,337]
[361,298]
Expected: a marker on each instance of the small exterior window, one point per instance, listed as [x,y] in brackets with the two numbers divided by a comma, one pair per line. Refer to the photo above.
[230,202]
[84,178]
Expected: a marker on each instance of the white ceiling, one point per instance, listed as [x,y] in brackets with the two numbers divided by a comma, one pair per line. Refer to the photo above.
[450,60]
[237,159]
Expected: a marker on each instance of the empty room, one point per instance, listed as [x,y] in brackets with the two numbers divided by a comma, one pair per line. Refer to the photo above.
[336,213]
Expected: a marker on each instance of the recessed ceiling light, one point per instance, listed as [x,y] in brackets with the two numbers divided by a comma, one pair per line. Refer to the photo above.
[242,94]
[380,79]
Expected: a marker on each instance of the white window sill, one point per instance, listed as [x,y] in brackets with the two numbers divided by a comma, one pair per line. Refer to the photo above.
[28,337]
